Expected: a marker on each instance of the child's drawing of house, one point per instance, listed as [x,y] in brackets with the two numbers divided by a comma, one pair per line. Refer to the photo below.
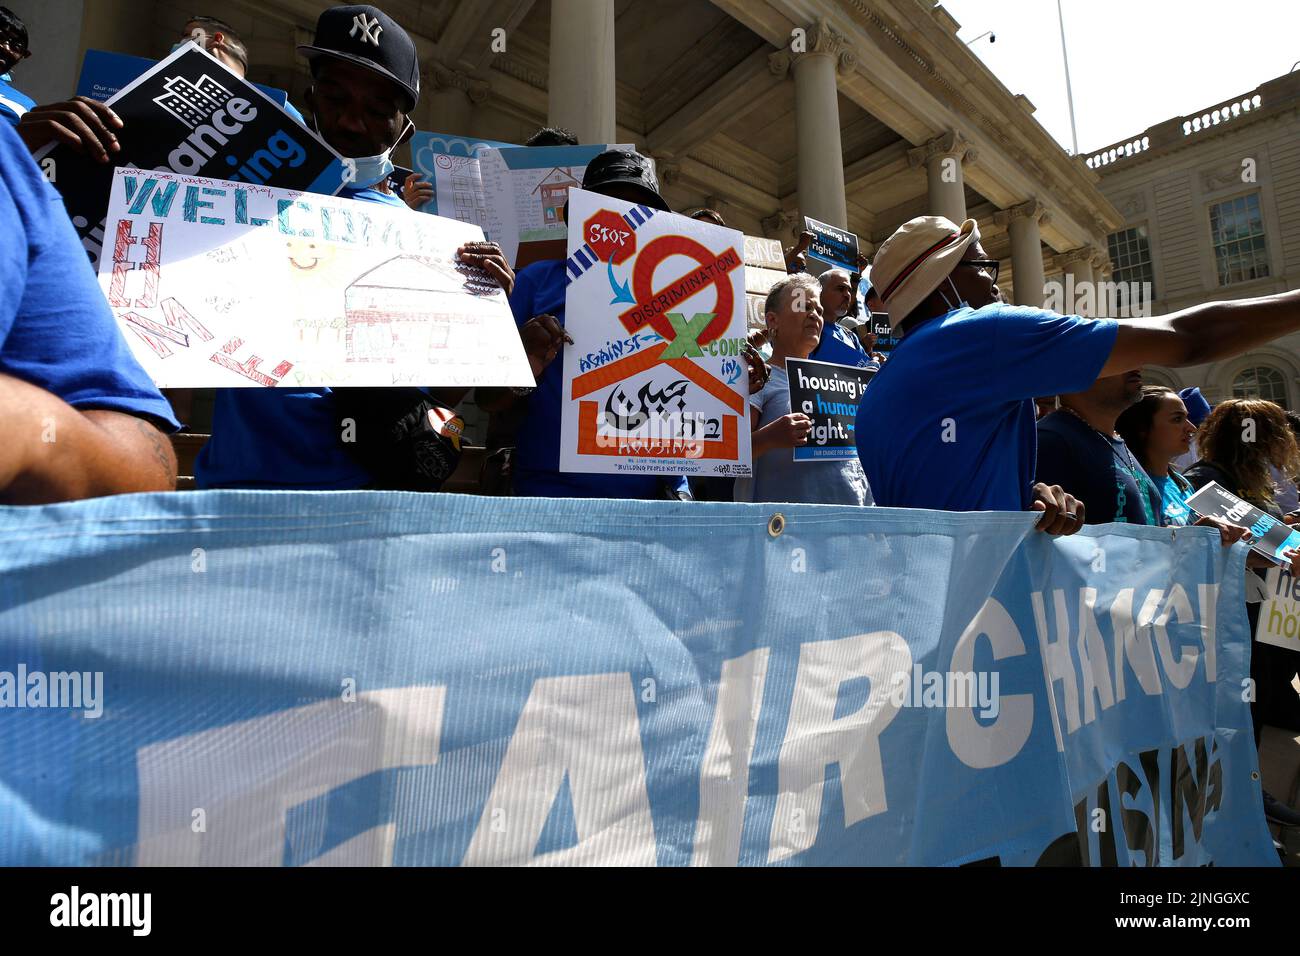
[392,309]
[554,190]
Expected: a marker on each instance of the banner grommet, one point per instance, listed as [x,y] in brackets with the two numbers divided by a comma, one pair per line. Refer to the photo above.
[776,524]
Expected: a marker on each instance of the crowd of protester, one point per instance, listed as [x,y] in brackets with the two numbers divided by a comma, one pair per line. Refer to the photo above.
[980,405]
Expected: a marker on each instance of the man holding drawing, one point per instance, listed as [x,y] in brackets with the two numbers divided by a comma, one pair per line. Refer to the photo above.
[366,82]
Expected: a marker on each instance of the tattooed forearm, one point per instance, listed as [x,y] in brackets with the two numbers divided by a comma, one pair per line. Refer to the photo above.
[159,446]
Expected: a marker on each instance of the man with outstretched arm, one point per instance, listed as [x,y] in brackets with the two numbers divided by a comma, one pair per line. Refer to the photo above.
[952,412]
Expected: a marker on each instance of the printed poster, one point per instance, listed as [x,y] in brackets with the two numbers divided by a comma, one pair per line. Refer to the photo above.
[655,382]
[828,394]
[1279,612]
[832,245]
[1272,537]
[219,284]
[524,190]
[884,332]
[104,73]
[451,164]
[189,114]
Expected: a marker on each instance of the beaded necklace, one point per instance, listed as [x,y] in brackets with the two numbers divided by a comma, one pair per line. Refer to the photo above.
[1130,467]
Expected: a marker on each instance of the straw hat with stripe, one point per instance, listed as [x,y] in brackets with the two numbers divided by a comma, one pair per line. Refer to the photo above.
[915,260]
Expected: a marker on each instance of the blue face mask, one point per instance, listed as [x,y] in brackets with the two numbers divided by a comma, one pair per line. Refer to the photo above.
[369,170]
[8,77]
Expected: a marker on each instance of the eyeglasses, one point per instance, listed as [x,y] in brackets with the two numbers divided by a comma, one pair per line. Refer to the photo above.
[988,265]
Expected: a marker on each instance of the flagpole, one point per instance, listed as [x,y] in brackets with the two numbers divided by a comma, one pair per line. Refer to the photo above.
[1069,92]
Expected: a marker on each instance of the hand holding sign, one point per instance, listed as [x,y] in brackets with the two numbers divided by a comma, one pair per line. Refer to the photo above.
[789,431]
[543,337]
[83,124]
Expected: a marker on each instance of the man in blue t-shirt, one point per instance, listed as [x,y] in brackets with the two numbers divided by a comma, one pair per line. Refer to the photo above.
[951,413]
[538,304]
[838,344]
[361,96]
[78,416]
[13,50]
[1079,450]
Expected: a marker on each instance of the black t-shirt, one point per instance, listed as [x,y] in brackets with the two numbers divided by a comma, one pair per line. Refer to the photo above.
[1098,470]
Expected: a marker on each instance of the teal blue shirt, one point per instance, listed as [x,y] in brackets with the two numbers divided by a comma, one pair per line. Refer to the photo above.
[1176,491]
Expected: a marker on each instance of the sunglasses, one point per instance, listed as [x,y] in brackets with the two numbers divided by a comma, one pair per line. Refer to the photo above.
[988,265]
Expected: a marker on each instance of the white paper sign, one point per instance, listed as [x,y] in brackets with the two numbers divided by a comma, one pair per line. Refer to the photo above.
[524,191]
[655,382]
[1279,612]
[221,284]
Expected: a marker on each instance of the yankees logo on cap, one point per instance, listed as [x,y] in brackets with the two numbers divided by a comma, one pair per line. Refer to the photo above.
[368,37]
[369,31]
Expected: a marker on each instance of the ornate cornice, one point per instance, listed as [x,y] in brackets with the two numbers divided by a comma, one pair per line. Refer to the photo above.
[1030,209]
[441,77]
[667,168]
[989,124]
[950,143]
[778,223]
[512,65]
[820,38]
[1067,259]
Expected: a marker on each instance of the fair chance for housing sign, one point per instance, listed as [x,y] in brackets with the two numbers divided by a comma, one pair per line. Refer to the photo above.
[190,115]
[230,284]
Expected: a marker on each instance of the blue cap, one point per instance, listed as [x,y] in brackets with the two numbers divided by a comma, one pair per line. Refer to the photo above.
[1198,409]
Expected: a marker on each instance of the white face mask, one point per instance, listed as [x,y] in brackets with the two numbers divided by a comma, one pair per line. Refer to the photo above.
[366,171]
[961,303]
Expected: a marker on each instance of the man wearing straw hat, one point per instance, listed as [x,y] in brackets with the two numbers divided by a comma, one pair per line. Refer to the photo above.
[951,415]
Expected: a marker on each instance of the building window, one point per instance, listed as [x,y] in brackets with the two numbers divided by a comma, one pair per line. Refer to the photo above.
[1130,255]
[1260,382]
[1237,231]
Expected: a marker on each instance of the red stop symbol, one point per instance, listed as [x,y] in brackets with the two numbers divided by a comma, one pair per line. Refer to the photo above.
[610,237]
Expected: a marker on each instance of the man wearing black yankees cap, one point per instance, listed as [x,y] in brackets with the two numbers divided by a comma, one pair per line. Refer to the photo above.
[366,81]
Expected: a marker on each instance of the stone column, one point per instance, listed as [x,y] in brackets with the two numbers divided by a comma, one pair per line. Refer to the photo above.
[1100,263]
[817,57]
[449,99]
[1022,223]
[1078,293]
[943,157]
[581,87]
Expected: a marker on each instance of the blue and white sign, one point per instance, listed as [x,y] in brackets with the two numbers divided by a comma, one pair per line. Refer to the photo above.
[104,73]
[261,678]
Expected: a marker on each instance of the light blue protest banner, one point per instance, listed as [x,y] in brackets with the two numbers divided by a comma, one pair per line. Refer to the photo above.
[372,678]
